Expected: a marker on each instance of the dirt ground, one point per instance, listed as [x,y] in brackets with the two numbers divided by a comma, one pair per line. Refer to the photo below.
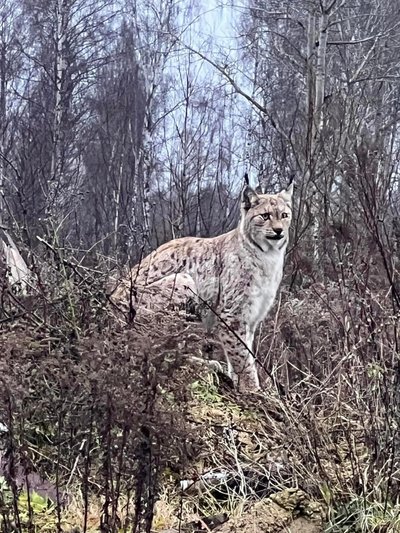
[289,511]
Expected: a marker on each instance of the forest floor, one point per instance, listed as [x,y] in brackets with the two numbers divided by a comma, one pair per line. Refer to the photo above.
[118,429]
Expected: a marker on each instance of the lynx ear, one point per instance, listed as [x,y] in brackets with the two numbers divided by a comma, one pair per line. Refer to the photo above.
[249,198]
[287,193]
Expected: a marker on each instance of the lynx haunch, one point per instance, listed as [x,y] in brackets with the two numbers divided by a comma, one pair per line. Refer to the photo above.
[236,274]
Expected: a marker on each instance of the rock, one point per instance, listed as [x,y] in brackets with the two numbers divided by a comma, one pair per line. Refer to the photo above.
[207,523]
[290,510]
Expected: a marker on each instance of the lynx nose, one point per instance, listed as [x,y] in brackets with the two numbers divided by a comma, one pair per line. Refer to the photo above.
[278,231]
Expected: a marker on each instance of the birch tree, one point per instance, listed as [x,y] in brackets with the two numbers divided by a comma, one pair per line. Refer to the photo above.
[152,22]
[112,158]
[327,70]
[66,45]
[10,65]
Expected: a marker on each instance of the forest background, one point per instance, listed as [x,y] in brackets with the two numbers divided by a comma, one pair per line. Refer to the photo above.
[125,124]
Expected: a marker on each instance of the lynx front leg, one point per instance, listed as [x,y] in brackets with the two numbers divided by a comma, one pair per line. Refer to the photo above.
[237,341]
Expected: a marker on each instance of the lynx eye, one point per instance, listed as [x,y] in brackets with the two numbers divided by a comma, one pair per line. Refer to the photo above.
[284,215]
[266,216]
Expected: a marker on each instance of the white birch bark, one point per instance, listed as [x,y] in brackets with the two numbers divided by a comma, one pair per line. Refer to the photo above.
[310,81]
[56,170]
[2,176]
[320,74]
[3,86]
[18,273]
[151,60]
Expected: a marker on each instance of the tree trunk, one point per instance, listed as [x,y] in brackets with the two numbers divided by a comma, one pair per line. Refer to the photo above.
[310,87]
[321,70]
[3,85]
[56,168]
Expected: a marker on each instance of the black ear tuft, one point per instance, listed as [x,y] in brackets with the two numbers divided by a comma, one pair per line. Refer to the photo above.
[249,198]
[246,178]
[291,180]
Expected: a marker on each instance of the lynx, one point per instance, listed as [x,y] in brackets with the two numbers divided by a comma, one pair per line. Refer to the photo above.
[235,275]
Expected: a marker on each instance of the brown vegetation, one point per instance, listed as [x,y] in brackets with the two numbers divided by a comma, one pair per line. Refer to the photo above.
[112,141]
[113,413]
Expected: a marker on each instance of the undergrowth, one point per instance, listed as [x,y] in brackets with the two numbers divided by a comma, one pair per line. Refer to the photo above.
[103,416]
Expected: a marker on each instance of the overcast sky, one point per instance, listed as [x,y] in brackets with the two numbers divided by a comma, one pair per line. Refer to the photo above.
[211,28]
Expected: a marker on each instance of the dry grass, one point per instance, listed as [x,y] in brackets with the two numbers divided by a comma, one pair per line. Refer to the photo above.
[121,415]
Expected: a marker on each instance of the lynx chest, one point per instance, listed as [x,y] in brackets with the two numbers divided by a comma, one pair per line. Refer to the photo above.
[262,292]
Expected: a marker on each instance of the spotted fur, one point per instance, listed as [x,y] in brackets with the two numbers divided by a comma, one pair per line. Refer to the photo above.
[236,275]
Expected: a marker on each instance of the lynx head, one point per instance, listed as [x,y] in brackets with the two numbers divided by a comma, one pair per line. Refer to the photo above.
[265,218]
